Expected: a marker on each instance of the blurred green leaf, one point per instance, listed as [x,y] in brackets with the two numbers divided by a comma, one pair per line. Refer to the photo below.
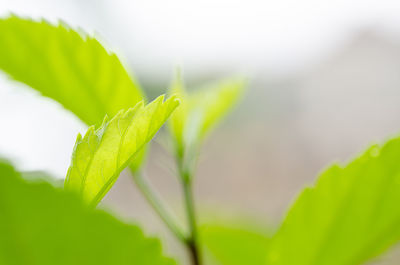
[39,175]
[234,244]
[101,155]
[69,67]
[43,225]
[351,215]
[6,169]
[200,111]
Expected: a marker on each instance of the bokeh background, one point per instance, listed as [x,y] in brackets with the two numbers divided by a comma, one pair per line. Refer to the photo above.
[325,82]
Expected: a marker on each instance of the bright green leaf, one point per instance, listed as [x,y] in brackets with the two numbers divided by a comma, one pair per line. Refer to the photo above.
[178,118]
[69,67]
[6,169]
[200,111]
[101,155]
[42,225]
[351,215]
[234,244]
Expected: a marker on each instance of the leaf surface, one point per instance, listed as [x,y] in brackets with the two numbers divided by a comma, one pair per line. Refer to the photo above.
[100,156]
[352,214]
[43,225]
[67,66]
[234,244]
[200,111]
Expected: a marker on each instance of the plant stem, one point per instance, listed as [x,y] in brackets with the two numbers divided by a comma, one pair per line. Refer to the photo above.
[193,243]
[154,200]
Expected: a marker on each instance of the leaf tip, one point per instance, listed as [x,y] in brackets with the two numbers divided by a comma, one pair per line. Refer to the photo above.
[91,130]
[78,137]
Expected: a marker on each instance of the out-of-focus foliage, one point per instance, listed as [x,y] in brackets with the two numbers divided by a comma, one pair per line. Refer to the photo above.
[36,176]
[69,67]
[235,244]
[42,225]
[200,111]
[101,155]
[351,215]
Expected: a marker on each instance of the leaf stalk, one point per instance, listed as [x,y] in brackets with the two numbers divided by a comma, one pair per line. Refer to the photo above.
[186,177]
[159,207]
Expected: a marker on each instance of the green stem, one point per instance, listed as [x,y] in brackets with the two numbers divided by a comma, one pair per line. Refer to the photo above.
[154,200]
[193,242]
[186,177]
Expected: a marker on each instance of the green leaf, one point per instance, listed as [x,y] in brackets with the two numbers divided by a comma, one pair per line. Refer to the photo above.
[43,225]
[351,215]
[69,67]
[199,112]
[6,169]
[100,156]
[234,244]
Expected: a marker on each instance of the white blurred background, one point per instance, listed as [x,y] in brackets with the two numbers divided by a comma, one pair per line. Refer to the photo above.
[325,82]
